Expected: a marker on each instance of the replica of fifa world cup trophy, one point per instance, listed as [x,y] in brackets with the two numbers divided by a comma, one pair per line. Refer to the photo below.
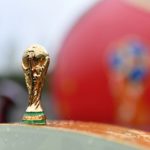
[35,64]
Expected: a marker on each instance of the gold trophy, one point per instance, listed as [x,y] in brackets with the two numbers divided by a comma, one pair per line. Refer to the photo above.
[35,64]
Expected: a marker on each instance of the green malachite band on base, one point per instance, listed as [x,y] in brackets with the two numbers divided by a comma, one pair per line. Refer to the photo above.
[34,118]
[39,122]
[34,113]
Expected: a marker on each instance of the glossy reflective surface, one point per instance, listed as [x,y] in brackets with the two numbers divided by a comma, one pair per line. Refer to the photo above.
[18,137]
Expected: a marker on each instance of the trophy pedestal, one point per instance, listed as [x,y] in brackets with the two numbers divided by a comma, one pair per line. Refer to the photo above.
[34,118]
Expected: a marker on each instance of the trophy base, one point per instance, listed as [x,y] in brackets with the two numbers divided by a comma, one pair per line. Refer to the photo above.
[38,118]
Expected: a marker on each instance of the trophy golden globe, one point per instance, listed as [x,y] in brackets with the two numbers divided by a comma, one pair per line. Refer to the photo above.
[35,64]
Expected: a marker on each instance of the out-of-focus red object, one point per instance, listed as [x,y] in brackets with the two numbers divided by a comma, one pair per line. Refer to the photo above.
[102,71]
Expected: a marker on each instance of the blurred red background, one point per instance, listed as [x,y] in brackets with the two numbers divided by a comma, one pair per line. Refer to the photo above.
[102,70]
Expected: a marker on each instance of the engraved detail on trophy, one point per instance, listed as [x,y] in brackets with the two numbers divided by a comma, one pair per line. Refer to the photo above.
[35,63]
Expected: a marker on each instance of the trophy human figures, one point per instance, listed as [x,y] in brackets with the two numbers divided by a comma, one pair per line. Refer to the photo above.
[35,63]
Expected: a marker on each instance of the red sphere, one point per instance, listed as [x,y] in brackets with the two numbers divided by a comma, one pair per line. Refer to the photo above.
[102,70]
